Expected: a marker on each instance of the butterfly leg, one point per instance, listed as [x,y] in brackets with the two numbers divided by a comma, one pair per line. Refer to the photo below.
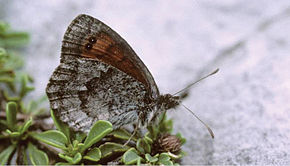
[134,132]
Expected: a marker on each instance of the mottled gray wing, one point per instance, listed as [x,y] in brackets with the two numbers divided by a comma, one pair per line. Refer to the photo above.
[99,77]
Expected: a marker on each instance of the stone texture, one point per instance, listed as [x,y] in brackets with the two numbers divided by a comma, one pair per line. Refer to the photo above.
[246,103]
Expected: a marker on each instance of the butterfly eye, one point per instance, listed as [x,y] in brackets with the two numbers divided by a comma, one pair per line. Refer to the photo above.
[88,46]
[92,40]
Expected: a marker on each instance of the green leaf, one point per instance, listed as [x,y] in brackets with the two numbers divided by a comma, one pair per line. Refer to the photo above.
[3,53]
[77,158]
[3,122]
[75,143]
[163,158]
[6,79]
[11,98]
[15,134]
[150,158]
[60,125]
[93,155]
[153,132]
[139,146]
[62,163]
[5,154]
[143,146]
[14,39]
[66,157]
[71,160]
[80,146]
[13,62]
[174,156]
[80,136]
[182,139]
[109,148]
[148,140]
[166,126]
[182,153]
[25,89]
[37,157]
[8,131]
[99,130]
[3,27]
[166,162]
[122,134]
[52,137]
[22,151]
[6,72]
[11,111]
[130,157]
[25,126]
[139,161]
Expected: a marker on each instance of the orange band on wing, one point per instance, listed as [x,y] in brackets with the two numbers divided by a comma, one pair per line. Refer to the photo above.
[106,50]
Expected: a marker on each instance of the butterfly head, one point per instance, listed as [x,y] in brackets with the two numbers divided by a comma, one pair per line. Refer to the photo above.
[161,104]
[168,101]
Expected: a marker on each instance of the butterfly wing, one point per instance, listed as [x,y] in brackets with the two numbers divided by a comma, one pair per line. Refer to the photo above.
[99,77]
[108,47]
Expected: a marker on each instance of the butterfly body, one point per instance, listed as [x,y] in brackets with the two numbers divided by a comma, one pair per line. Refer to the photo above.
[100,77]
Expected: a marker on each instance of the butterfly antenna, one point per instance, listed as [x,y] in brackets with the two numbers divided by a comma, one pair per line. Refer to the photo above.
[208,128]
[212,73]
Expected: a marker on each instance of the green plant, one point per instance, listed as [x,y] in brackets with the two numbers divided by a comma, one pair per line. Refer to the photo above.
[75,147]
[147,149]
[17,119]
[27,137]
[10,38]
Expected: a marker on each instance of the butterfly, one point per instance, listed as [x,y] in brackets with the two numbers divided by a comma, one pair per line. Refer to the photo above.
[100,77]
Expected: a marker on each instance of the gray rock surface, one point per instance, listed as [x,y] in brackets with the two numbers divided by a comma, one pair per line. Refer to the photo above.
[246,103]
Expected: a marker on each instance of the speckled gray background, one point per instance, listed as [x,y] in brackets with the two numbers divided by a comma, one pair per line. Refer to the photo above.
[246,103]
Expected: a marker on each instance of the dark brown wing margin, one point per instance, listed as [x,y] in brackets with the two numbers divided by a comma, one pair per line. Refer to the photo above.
[90,38]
